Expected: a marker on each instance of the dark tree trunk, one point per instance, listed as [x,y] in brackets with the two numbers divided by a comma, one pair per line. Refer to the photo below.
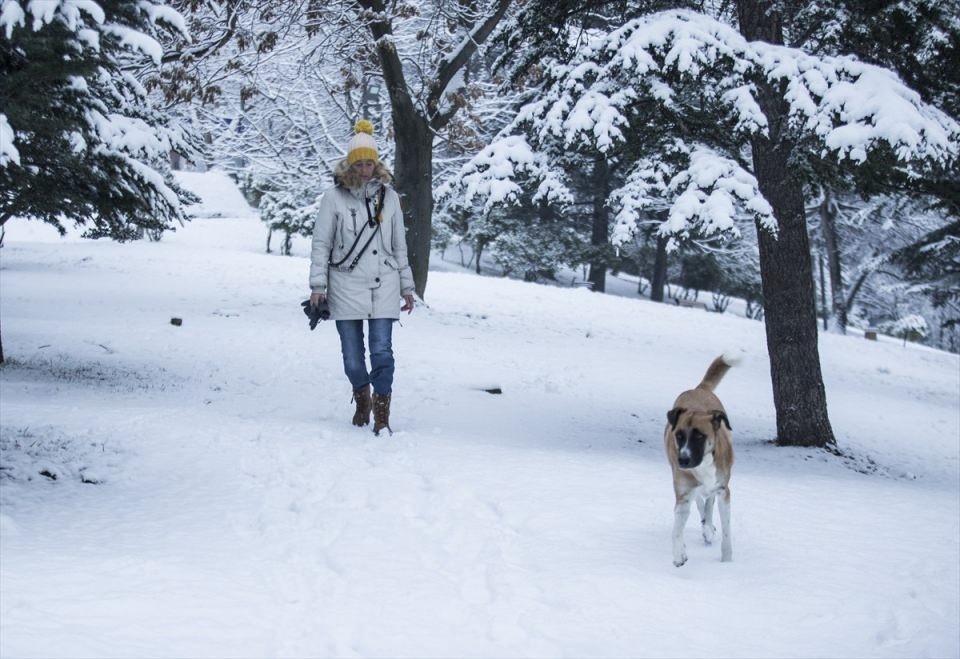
[414,183]
[481,243]
[600,231]
[790,313]
[414,130]
[828,225]
[414,160]
[848,305]
[659,278]
[786,271]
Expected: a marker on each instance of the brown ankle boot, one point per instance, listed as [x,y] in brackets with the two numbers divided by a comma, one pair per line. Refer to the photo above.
[361,397]
[381,413]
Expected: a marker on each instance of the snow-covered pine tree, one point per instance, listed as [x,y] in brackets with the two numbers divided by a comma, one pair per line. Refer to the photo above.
[917,39]
[511,197]
[81,142]
[544,32]
[743,117]
[290,212]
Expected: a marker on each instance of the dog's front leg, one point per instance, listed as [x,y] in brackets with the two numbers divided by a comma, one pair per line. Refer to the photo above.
[726,544]
[680,514]
[705,506]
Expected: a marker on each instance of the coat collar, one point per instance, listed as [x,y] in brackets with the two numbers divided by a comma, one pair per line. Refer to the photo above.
[369,190]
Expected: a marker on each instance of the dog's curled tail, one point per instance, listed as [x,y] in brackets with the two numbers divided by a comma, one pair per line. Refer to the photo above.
[717,369]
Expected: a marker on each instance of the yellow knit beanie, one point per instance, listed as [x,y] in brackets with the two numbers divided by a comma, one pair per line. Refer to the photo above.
[362,146]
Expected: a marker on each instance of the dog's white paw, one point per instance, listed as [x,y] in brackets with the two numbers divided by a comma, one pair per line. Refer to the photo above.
[709,533]
[680,558]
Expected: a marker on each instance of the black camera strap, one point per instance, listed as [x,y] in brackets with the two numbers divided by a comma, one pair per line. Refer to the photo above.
[373,220]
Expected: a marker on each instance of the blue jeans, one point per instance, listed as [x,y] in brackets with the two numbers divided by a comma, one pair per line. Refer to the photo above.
[381,353]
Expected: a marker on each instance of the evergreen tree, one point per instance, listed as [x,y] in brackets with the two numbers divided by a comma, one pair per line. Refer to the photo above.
[291,213]
[741,121]
[920,41]
[547,32]
[81,141]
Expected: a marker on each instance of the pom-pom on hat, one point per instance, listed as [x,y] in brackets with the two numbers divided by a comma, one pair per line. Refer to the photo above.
[362,146]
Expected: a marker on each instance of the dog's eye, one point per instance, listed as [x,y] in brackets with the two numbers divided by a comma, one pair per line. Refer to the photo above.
[679,438]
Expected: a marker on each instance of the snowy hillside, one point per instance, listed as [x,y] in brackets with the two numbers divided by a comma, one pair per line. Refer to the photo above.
[198,490]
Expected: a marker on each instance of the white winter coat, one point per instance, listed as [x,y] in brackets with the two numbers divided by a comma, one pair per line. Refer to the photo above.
[374,287]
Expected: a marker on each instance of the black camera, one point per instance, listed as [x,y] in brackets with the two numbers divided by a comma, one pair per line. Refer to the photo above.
[316,313]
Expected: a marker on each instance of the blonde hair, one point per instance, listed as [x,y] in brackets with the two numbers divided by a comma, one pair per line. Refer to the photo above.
[346,177]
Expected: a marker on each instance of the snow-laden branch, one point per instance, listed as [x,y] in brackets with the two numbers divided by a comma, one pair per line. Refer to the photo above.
[491,177]
[99,111]
[680,61]
[161,13]
[849,106]
[129,135]
[701,189]
[136,40]
[71,12]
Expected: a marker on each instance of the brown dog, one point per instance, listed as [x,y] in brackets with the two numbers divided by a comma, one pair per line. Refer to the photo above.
[698,444]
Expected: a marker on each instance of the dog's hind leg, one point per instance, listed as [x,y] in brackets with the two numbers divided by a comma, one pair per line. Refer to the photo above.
[680,514]
[705,506]
[726,544]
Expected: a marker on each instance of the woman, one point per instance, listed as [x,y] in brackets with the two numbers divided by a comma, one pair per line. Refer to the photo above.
[359,267]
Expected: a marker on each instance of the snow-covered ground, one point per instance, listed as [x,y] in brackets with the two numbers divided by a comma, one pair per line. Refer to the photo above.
[206,496]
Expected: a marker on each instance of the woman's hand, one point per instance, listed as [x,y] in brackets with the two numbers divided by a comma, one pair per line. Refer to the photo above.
[317,298]
[407,304]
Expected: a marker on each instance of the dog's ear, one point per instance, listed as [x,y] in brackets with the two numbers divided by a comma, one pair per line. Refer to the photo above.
[673,415]
[720,417]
